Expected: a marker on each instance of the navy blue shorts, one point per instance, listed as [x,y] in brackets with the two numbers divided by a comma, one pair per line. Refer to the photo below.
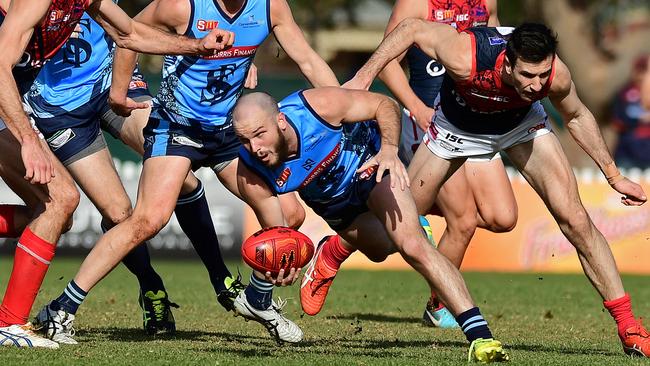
[340,212]
[204,148]
[78,132]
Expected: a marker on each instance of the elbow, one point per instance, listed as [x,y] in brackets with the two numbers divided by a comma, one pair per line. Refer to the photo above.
[410,26]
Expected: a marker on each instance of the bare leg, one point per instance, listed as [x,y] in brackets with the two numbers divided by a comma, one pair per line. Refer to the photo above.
[545,167]
[160,184]
[495,201]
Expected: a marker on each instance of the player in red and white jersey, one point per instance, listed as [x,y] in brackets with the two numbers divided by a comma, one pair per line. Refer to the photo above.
[32,31]
[463,200]
[489,102]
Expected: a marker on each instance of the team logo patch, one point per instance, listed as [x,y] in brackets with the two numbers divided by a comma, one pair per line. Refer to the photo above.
[60,138]
[185,141]
[206,25]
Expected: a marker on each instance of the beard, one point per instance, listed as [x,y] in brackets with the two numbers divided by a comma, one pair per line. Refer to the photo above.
[281,149]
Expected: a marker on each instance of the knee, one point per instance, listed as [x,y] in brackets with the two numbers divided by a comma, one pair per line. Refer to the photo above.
[116,214]
[500,222]
[295,216]
[64,201]
[463,227]
[145,226]
[413,249]
[575,224]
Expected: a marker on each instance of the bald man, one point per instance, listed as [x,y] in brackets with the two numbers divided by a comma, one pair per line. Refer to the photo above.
[338,149]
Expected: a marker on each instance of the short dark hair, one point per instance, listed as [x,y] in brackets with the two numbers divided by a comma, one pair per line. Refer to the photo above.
[531,42]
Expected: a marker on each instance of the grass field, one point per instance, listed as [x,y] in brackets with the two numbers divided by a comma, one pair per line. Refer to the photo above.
[371,318]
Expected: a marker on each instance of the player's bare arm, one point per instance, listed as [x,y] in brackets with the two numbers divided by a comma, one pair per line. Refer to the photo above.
[293,42]
[492,7]
[583,127]
[267,208]
[393,75]
[15,32]
[338,105]
[140,37]
[440,41]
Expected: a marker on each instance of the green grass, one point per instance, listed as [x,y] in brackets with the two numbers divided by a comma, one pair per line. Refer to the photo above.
[371,318]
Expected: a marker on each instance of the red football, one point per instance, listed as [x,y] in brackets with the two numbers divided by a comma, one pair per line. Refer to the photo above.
[277,248]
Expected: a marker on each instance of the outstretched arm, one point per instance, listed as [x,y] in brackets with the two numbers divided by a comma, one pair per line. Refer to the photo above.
[584,129]
[294,43]
[257,194]
[140,37]
[393,75]
[339,105]
[15,33]
[439,41]
[493,21]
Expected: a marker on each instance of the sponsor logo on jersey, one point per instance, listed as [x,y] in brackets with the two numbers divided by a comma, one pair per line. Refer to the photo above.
[324,164]
[283,178]
[251,22]
[496,41]
[449,15]
[232,52]
[137,84]
[537,127]
[206,25]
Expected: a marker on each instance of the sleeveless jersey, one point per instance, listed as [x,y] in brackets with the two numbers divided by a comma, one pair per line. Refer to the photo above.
[49,36]
[80,71]
[203,90]
[484,104]
[426,74]
[328,156]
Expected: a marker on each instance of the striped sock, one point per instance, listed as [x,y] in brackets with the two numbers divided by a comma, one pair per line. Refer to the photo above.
[70,299]
[473,325]
[259,293]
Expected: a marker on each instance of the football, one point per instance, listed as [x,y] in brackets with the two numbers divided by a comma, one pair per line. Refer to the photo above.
[276,248]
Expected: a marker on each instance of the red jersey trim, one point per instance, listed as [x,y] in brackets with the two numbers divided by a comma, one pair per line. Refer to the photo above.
[474,52]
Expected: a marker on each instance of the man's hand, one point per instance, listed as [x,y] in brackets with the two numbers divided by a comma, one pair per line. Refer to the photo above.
[280,280]
[38,166]
[356,84]
[126,105]
[386,159]
[422,115]
[251,78]
[633,194]
[215,41]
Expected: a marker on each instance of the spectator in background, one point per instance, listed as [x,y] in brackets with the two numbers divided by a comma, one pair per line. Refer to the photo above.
[645,88]
[632,121]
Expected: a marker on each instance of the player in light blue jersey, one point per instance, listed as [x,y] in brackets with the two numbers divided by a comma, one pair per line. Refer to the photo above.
[190,127]
[70,103]
[349,173]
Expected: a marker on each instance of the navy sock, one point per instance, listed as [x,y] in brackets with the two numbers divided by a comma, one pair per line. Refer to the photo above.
[473,325]
[138,262]
[193,215]
[70,299]
[259,293]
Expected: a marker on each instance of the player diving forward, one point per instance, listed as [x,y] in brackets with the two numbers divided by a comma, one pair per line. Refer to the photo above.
[348,172]
[190,127]
[489,102]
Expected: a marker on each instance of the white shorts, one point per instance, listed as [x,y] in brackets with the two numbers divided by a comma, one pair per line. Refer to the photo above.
[448,142]
[412,136]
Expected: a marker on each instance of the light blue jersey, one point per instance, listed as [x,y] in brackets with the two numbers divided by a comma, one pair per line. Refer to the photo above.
[80,71]
[204,90]
[324,168]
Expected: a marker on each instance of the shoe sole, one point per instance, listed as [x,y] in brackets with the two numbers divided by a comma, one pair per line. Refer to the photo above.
[494,354]
[634,352]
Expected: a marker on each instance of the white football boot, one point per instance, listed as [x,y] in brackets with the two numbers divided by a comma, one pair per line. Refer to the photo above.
[281,328]
[57,325]
[23,336]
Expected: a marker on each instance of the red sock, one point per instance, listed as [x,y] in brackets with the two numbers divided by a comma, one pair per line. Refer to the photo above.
[621,311]
[7,229]
[33,256]
[334,253]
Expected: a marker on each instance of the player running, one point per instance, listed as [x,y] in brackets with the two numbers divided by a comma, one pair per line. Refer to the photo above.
[190,127]
[489,102]
[313,143]
[31,33]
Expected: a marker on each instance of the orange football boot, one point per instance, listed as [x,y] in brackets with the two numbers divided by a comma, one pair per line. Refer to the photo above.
[636,341]
[316,282]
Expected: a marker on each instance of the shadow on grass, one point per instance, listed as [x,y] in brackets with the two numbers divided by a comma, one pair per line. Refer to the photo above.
[248,346]
[375,318]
